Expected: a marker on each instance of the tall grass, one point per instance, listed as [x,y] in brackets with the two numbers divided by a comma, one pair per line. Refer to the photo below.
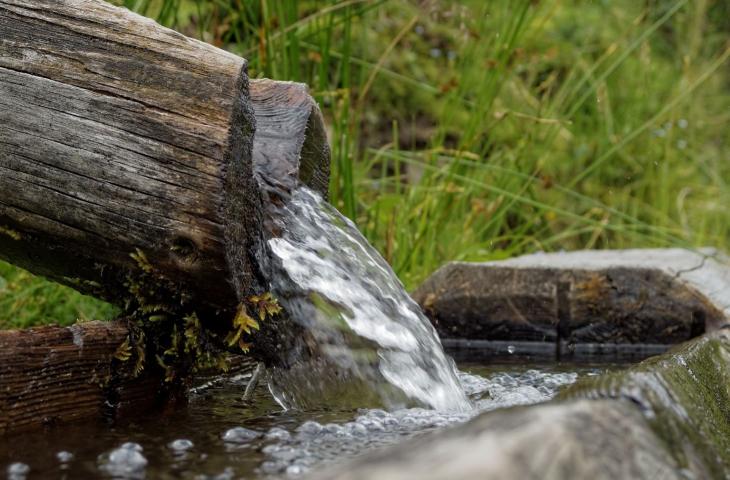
[480,130]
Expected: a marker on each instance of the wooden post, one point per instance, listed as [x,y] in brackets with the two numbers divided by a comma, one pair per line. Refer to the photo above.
[126,151]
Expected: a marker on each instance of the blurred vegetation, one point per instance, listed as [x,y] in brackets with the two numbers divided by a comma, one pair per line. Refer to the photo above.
[480,130]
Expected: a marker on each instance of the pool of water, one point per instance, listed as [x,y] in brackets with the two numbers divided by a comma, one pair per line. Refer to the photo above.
[220,434]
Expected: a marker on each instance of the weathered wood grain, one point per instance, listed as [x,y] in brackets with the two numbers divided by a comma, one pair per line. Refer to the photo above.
[290,144]
[56,375]
[53,375]
[119,136]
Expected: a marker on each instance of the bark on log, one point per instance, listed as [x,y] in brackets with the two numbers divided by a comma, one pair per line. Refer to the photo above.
[126,148]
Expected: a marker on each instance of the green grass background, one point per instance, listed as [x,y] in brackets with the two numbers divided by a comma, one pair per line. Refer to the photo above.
[480,130]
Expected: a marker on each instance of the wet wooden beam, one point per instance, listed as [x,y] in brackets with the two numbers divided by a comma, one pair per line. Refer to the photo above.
[128,155]
[54,375]
[593,297]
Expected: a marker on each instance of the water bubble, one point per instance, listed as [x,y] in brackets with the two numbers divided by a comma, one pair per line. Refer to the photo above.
[180,445]
[333,429]
[64,456]
[309,428]
[271,467]
[18,471]
[356,429]
[227,474]
[240,435]
[126,462]
[295,470]
[277,433]
[282,453]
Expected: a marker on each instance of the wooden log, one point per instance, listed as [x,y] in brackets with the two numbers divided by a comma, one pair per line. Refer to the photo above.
[54,375]
[126,164]
[662,296]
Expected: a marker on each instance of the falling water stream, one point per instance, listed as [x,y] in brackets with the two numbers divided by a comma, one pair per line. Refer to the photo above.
[364,323]
[375,373]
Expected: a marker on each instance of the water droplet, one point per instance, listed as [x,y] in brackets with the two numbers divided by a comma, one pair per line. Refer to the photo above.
[132,446]
[419,29]
[277,433]
[309,428]
[682,123]
[295,470]
[511,349]
[435,52]
[126,461]
[681,144]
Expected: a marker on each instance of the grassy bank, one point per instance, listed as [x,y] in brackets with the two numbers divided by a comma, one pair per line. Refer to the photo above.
[481,130]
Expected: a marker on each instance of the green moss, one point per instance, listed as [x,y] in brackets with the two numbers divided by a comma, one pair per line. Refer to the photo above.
[167,326]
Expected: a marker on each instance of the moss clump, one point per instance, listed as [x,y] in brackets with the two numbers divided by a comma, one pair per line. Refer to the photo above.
[167,326]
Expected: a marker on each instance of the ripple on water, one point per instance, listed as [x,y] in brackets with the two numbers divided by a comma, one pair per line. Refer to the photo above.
[205,444]
[313,443]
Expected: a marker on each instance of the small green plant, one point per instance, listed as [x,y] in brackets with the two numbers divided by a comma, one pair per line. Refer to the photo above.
[244,325]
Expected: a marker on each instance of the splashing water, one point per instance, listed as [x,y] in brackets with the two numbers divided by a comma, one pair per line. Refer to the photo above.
[357,312]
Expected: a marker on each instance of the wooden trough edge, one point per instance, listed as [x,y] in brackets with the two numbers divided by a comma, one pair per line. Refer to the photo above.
[564,305]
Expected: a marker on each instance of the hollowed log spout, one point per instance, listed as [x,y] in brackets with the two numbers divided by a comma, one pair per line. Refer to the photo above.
[127,147]
[135,166]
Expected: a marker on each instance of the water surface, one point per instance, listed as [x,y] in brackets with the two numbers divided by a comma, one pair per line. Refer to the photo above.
[219,435]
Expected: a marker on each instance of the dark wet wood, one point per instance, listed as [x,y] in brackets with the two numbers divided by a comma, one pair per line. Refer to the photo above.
[611,305]
[54,375]
[290,143]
